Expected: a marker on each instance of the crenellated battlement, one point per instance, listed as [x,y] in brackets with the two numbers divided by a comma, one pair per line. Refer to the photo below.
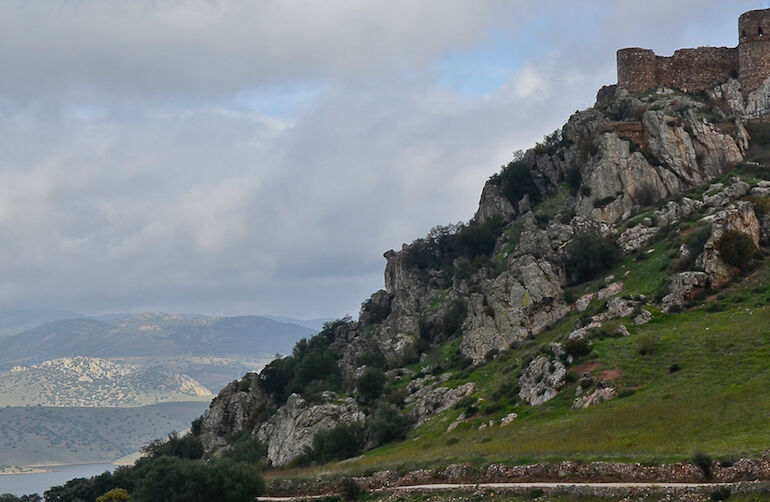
[695,70]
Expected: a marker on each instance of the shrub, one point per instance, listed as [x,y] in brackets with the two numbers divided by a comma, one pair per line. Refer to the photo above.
[453,318]
[698,239]
[246,448]
[703,462]
[114,495]
[574,179]
[516,181]
[341,442]
[578,346]
[350,490]
[376,308]
[186,447]
[626,393]
[604,202]
[736,248]
[761,206]
[587,255]
[721,493]
[674,368]
[647,343]
[452,440]
[388,424]
[369,385]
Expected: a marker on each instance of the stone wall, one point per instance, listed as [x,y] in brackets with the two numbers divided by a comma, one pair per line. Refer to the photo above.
[692,70]
[695,70]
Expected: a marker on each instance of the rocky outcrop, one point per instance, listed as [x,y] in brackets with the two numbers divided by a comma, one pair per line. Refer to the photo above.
[430,401]
[521,301]
[290,431]
[684,286]
[541,380]
[739,217]
[598,396]
[494,204]
[236,409]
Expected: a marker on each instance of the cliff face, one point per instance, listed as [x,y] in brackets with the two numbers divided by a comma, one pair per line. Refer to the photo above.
[500,280]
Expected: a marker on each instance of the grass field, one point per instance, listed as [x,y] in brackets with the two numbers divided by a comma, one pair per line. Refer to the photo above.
[704,387]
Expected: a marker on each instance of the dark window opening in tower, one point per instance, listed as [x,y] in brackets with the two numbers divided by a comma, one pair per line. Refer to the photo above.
[760,32]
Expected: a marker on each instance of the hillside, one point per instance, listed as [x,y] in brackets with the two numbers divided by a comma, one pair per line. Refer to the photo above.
[50,436]
[93,382]
[608,300]
[212,350]
[153,335]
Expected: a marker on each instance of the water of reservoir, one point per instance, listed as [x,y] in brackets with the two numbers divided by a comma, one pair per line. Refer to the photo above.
[26,484]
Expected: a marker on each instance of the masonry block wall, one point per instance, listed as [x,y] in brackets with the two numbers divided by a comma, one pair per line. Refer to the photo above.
[695,70]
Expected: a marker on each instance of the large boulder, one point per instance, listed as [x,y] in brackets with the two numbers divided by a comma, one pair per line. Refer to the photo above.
[290,431]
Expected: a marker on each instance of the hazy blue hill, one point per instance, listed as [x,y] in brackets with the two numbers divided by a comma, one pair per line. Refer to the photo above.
[43,435]
[153,335]
[314,324]
[16,321]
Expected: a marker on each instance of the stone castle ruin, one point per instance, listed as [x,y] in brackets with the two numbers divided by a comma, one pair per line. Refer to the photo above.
[696,70]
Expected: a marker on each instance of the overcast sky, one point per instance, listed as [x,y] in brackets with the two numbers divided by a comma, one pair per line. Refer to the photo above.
[247,157]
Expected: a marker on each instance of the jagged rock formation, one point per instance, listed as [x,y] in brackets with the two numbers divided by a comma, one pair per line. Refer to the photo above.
[289,432]
[542,380]
[500,280]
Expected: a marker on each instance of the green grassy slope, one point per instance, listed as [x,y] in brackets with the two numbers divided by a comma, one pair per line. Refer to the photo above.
[705,386]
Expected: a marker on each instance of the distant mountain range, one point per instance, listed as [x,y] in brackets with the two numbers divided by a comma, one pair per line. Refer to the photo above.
[93,382]
[142,335]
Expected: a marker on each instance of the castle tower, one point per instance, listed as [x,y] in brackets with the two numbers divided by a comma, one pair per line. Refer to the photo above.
[753,48]
[636,69]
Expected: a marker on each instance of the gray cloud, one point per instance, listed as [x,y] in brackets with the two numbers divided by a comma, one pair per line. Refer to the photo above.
[253,157]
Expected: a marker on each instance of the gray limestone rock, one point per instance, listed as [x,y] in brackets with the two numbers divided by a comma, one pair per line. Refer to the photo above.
[542,380]
[523,300]
[233,411]
[289,432]
[683,288]
[738,217]
[430,401]
[598,396]
[493,203]
[636,238]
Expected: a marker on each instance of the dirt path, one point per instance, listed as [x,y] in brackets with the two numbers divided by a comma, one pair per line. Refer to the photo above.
[525,486]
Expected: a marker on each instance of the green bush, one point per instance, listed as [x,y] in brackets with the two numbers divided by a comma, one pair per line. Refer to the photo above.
[185,447]
[647,343]
[578,346]
[375,311]
[370,384]
[341,442]
[587,255]
[721,493]
[350,490]
[574,179]
[515,180]
[703,462]
[453,318]
[246,448]
[388,424]
[604,202]
[736,248]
